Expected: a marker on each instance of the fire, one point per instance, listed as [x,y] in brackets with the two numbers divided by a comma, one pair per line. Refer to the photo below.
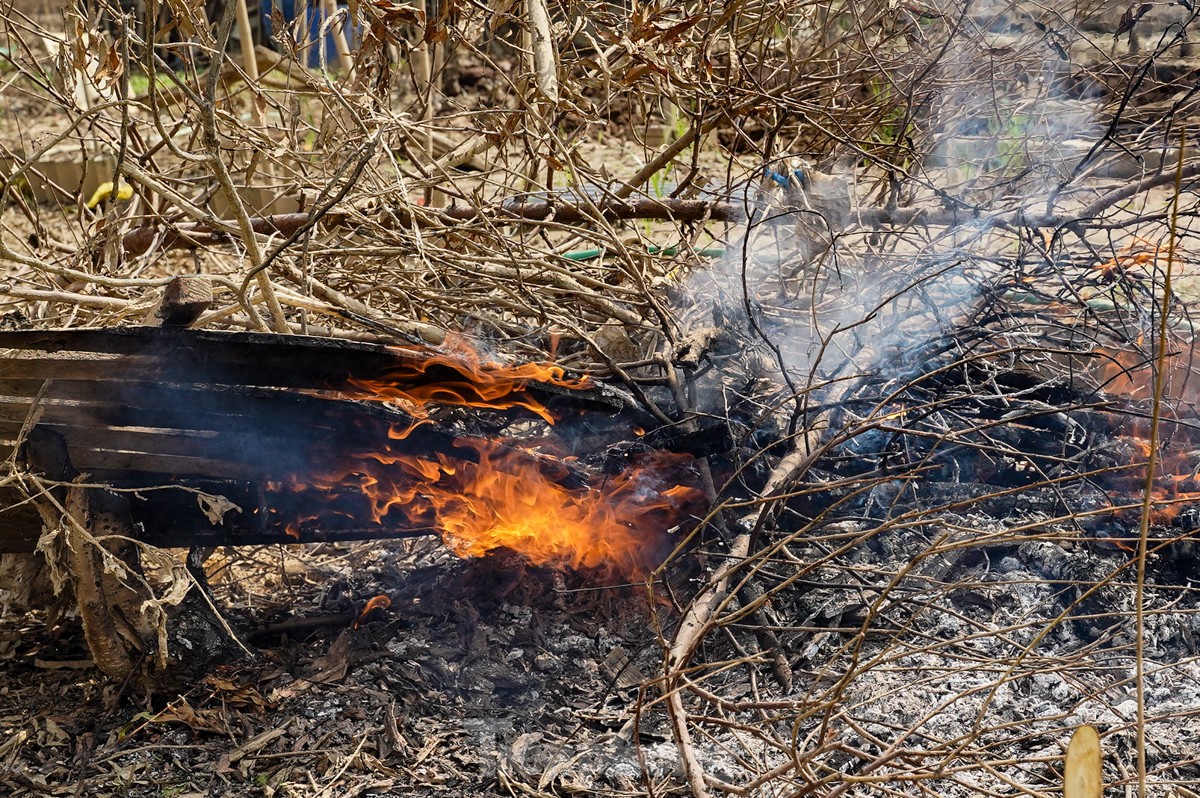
[1177,473]
[380,602]
[487,494]
[1130,372]
[507,500]
[458,375]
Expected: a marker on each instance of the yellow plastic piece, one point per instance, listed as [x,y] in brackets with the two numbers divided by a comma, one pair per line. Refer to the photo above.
[105,190]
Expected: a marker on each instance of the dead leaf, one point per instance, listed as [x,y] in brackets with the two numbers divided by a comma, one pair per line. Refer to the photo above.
[215,508]
[204,720]
[329,668]
[14,741]
[111,68]
[55,735]
[333,665]
[393,12]
[233,694]
[258,742]
[1131,17]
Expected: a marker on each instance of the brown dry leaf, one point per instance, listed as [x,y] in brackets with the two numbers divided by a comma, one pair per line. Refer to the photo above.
[366,763]
[79,47]
[55,734]
[1082,771]
[620,671]
[330,668]
[241,696]
[204,720]
[12,742]
[111,68]
[333,665]
[393,12]
[558,770]
[500,12]
[258,742]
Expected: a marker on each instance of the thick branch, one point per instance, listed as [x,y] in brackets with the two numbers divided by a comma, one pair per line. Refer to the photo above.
[141,239]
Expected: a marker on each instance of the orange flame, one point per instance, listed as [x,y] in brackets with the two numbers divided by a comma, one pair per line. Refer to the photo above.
[1176,482]
[456,374]
[380,602]
[489,494]
[506,500]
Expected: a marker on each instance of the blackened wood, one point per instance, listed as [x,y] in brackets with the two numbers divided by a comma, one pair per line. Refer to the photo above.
[249,359]
[140,409]
[45,453]
[180,454]
[20,524]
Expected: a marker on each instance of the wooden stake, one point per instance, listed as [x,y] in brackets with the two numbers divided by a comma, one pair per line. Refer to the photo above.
[249,61]
[345,62]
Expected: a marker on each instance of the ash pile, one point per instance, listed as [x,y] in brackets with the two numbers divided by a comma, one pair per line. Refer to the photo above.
[958,454]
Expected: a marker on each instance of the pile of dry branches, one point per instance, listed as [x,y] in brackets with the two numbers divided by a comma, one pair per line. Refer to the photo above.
[593,184]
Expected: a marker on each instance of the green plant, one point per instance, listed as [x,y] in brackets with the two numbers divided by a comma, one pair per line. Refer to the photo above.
[139,83]
[1010,137]
[659,182]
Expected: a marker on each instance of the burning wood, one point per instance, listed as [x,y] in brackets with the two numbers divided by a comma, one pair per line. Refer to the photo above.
[303,439]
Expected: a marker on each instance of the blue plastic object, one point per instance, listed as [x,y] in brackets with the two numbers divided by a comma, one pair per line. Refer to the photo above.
[315,18]
[782,179]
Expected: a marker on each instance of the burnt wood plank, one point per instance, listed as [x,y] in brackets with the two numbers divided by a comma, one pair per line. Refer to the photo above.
[142,407]
[188,407]
[172,468]
[286,434]
[288,360]
[269,455]
[179,366]
[259,359]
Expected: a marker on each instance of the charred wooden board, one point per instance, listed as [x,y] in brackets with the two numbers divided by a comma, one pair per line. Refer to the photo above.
[166,414]
[252,360]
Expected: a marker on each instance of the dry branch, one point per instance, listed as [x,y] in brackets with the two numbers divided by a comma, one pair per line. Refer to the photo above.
[904,554]
[140,240]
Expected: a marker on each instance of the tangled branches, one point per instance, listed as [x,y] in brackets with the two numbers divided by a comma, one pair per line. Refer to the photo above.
[592,184]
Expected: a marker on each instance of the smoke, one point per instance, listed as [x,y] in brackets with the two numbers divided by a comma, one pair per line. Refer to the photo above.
[992,132]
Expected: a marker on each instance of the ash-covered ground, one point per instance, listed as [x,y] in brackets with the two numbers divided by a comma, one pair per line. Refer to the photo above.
[942,656]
